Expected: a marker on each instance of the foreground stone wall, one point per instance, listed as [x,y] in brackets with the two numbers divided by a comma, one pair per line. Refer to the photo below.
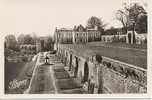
[120,77]
[103,75]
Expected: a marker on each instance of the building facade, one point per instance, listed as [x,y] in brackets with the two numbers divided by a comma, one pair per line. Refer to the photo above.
[77,35]
[63,35]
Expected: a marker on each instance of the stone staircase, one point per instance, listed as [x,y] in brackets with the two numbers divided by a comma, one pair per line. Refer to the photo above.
[66,84]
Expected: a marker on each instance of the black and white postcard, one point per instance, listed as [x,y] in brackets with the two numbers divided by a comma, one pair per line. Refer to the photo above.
[75,49]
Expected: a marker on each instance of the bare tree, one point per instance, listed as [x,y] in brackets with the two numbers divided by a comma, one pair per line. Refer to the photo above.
[123,15]
[128,13]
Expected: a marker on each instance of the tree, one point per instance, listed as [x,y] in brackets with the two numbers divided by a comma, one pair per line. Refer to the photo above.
[34,36]
[122,16]
[135,11]
[10,42]
[141,25]
[111,31]
[129,13]
[96,22]
[21,39]
[28,39]
[49,44]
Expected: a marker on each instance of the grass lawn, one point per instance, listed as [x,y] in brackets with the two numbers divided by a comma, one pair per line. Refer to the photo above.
[19,71]
[134,57]
[131,56]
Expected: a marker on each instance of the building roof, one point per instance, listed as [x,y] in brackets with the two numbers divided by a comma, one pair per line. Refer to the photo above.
[65,29]
[79,28]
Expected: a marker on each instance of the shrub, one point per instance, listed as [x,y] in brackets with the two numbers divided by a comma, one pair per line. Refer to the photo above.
[115,39]
[25,59]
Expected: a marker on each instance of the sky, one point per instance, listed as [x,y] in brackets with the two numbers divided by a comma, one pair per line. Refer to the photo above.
[43,16]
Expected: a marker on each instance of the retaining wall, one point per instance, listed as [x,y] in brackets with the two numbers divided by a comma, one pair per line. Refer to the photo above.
[107,75]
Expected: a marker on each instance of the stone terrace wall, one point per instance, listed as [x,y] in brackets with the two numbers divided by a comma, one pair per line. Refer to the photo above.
[110,76]
[120,77]
[113,38]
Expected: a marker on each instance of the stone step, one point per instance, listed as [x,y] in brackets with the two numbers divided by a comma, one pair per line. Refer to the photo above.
[72,91]
[61,74]
[69,83]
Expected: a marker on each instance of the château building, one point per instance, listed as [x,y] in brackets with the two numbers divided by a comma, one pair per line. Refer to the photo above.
[78,34]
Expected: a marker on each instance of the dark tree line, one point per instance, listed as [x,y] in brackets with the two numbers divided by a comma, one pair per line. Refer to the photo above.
[132,13]
[26,39]
[11,42]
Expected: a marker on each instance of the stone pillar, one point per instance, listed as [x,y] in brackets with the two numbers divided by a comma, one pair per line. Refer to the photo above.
[132,37]
[97,59]
[76,67]
[70,63]
[100,79]
[87,37]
